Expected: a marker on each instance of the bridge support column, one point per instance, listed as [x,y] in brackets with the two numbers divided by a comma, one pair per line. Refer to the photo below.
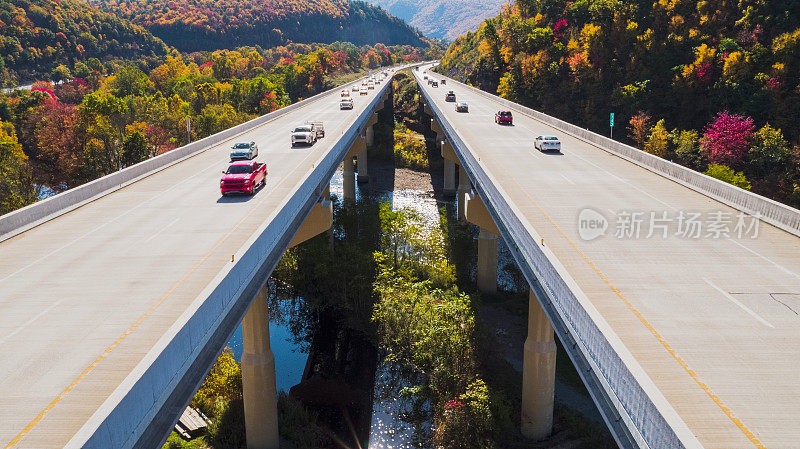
[476,213]
[363,171]
[369,134]
[463,191]
[258,378]
[348,180]
[348,172]
[487,262]
[450,162]
[538,374]
[449,177]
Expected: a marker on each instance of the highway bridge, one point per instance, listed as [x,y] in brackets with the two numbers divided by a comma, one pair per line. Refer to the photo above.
[117,296]
[685,336]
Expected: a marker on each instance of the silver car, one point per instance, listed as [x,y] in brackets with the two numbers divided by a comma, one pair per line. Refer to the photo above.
[244,150]
[547,143]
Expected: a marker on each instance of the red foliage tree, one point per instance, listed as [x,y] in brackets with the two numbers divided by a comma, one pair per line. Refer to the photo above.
[727,139]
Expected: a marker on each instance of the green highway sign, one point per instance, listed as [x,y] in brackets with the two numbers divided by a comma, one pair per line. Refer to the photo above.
[611,119]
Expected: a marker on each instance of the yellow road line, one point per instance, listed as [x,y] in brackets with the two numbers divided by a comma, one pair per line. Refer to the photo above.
[749,434]
[136,324]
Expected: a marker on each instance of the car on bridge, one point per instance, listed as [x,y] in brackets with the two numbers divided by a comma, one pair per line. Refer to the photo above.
[243,177]
[444,81]
[346,103]
[364,92]
[244,150]
[345,93]
[462,107]
[434,84]
[305,134]
[504,118]
[355,88]
[547,143]
[450,96]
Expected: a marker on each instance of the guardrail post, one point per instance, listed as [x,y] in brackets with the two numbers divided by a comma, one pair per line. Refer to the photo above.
[538,374]
[258,378]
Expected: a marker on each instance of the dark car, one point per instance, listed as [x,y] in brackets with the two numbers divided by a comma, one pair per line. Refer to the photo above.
[504,118]
[462,107]
[444,81]
[450,96]
[435,84]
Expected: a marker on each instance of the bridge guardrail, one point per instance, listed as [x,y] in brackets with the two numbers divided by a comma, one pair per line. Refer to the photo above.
[171,371]
[21,220]
[631,404]
[775,213]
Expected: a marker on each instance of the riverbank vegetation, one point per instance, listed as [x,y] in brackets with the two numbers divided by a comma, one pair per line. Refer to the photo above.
[109,117]
[701,83]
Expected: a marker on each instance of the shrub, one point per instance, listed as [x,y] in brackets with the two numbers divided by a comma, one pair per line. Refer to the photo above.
[727,174]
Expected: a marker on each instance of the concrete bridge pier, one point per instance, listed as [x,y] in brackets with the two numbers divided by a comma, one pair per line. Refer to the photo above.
[258,378]
[348,179]
[476,213]
[258,362]
[538,374]
[450,162]
[348,170]
[464,188]
[369,141]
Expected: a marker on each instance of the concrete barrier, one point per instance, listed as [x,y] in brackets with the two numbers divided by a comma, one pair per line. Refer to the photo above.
[770,211]
[634,409]
[37,213]
[142,410]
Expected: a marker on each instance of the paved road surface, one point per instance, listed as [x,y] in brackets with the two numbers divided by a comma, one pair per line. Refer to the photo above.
[86,295]
[727,307]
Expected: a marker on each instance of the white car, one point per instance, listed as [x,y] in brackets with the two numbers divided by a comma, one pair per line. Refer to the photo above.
[355,88]
[370,86]
[364,92]
[304,134]
[547,143]
[346,103]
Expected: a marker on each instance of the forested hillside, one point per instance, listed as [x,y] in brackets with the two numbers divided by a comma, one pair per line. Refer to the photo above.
[713,84]
[37,36]
[193,25]
[442,19]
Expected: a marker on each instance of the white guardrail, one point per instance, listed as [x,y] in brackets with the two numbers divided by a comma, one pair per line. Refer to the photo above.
[775,213]
[145,406]
[21,220]
[634,409]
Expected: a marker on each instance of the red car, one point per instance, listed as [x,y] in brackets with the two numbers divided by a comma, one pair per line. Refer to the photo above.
[504,118]
[244,177]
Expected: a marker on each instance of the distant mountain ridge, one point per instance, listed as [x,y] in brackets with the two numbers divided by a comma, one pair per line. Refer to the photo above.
[442,19]
[193,25]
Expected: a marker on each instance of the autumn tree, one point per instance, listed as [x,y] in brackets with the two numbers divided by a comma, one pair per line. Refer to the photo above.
[727,139]
[658,140]
[16,189]
[639,128]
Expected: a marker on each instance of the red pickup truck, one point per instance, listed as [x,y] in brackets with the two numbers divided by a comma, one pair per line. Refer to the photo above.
[244,176]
